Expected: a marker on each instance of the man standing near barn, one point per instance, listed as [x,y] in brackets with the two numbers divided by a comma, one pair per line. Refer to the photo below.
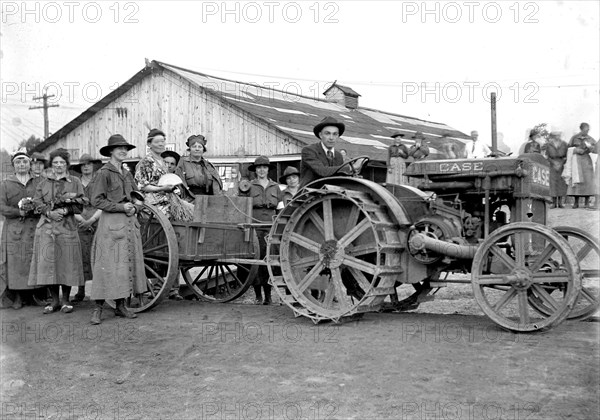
[320,159]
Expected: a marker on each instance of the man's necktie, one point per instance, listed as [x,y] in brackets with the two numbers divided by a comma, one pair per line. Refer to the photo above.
[330,156]
[473,149]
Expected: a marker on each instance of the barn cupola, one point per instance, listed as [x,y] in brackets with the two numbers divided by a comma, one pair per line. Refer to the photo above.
[342,95]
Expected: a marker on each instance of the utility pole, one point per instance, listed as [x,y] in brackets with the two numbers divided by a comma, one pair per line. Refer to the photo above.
[45,106]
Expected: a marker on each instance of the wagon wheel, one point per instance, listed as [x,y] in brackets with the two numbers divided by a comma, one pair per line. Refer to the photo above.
[216,281]
[161,258]
[587,250]
[510,264]
[338,254]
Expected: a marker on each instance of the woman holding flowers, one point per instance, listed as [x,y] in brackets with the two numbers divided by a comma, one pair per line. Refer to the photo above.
[56,249]
[16,205]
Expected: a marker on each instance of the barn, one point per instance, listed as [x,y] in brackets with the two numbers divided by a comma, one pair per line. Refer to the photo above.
[240,120]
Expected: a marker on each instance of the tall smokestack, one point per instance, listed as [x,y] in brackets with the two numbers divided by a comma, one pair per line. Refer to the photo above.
[494,130]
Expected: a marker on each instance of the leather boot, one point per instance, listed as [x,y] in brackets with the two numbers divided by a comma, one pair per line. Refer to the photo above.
[267,290]
[554,201]
[122,311]
[258,294]
[97,314]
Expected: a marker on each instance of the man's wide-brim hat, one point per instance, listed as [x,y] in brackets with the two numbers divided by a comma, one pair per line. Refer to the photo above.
[85,159]
[116,140]
[418,135]
[329,121]
[261,161]
[290,170]
[397,134]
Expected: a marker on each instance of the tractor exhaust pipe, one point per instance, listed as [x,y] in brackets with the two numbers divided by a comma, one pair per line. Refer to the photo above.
[421,241]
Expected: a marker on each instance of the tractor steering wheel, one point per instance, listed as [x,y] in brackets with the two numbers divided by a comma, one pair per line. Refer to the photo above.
[354,166]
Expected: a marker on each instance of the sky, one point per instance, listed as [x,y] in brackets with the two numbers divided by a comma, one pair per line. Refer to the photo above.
[433,60]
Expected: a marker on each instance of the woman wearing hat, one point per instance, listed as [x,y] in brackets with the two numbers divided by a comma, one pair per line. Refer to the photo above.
[397,155]
[556,153]
[149,170]
[16,205]
[117,253]
[197,173]
[87,220]
[266,197]
[56,257]
[290,177]
[583,145]
[38,164]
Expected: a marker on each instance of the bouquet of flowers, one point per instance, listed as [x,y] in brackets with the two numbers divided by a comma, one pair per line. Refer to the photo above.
[26,205]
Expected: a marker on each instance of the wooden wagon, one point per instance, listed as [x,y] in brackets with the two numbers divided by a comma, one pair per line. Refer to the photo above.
[211,252]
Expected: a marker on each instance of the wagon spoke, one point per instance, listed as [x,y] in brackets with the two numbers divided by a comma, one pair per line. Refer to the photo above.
[305,242]
[502,256]
[156,248]
[507,297]
[156,260]
[151,270]
[545,297]
[360,264]
[200,274]
[220,267]
[354,233]
[310,277]
[234,275]
[523,306]
[151,237]
[328,220]
[543,257]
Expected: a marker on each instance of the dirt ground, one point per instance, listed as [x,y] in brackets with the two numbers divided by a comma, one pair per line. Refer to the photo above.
[195,360]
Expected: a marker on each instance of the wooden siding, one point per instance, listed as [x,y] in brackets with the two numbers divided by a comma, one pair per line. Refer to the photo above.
[167,101]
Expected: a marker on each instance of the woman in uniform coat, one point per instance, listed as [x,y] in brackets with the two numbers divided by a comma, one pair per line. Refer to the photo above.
[118,234]
[16,205]
[266,197]
[56,257]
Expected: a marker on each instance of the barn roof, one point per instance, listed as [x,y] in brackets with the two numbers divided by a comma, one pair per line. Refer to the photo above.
[367,132]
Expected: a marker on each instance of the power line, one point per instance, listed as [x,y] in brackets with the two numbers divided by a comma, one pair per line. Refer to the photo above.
[45,107]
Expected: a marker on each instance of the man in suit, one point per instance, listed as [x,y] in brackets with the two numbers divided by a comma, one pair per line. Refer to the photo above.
[320,160]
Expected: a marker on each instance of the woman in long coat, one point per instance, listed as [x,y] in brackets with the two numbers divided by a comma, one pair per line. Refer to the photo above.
[56,249]
[117,253]
[16,205]
[87,221]
[584,145]
[266,198]
[556,152]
